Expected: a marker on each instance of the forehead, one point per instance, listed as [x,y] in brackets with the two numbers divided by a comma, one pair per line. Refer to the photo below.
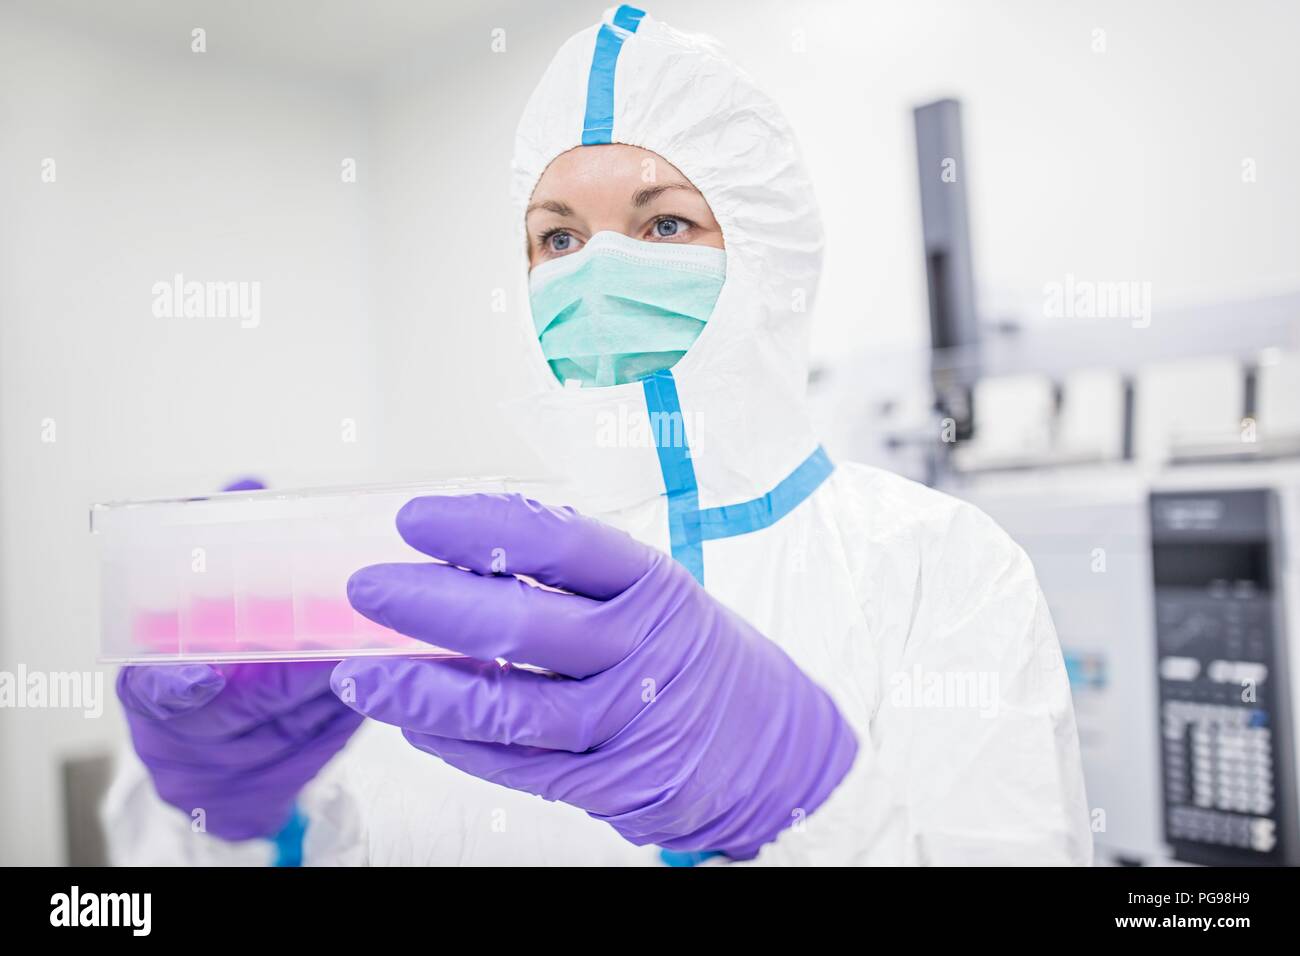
[612,169]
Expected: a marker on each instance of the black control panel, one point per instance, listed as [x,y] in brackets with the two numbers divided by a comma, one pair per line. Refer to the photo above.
[1226,747]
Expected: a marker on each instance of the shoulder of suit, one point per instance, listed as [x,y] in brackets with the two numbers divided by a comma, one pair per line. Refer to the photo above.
[885,506]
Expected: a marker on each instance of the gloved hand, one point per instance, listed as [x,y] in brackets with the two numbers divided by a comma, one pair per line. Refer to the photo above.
[238,741]
[675,721]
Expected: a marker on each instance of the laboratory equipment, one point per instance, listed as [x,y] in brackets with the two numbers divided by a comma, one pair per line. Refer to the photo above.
[945,229]
[1226,755]
[1173,594]
[257,575]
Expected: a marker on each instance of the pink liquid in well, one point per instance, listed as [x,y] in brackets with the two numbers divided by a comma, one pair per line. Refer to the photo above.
[327,616]
[158,631]
[216,625]
[269,618]
[212,624]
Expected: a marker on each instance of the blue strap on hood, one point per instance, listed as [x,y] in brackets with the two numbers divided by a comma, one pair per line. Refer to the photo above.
[598,124]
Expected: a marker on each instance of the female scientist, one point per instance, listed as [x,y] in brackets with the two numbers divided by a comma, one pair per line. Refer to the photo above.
[755,654]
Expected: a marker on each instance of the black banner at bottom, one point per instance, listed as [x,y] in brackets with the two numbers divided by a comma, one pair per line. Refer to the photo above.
[209,906]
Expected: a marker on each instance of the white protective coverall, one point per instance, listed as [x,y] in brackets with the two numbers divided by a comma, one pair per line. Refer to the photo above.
[918,614]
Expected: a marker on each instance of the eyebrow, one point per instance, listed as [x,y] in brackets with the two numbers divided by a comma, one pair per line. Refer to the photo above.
[551,205]
[642,197]
[648,195]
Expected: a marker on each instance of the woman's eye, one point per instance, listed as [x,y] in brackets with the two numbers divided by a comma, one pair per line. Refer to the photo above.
[559,242]
[669,227]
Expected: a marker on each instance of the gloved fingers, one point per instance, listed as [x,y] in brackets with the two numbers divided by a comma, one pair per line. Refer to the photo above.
[530,769]
[484,701]
[268,689]
[510,534]
[315,717]
[222,741]
[167,691]
[251,695]
[492,617]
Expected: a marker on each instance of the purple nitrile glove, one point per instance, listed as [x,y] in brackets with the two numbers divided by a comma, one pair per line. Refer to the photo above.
[676,721]
[237,741]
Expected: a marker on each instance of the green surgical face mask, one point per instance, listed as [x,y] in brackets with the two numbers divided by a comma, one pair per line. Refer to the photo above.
[620,309]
